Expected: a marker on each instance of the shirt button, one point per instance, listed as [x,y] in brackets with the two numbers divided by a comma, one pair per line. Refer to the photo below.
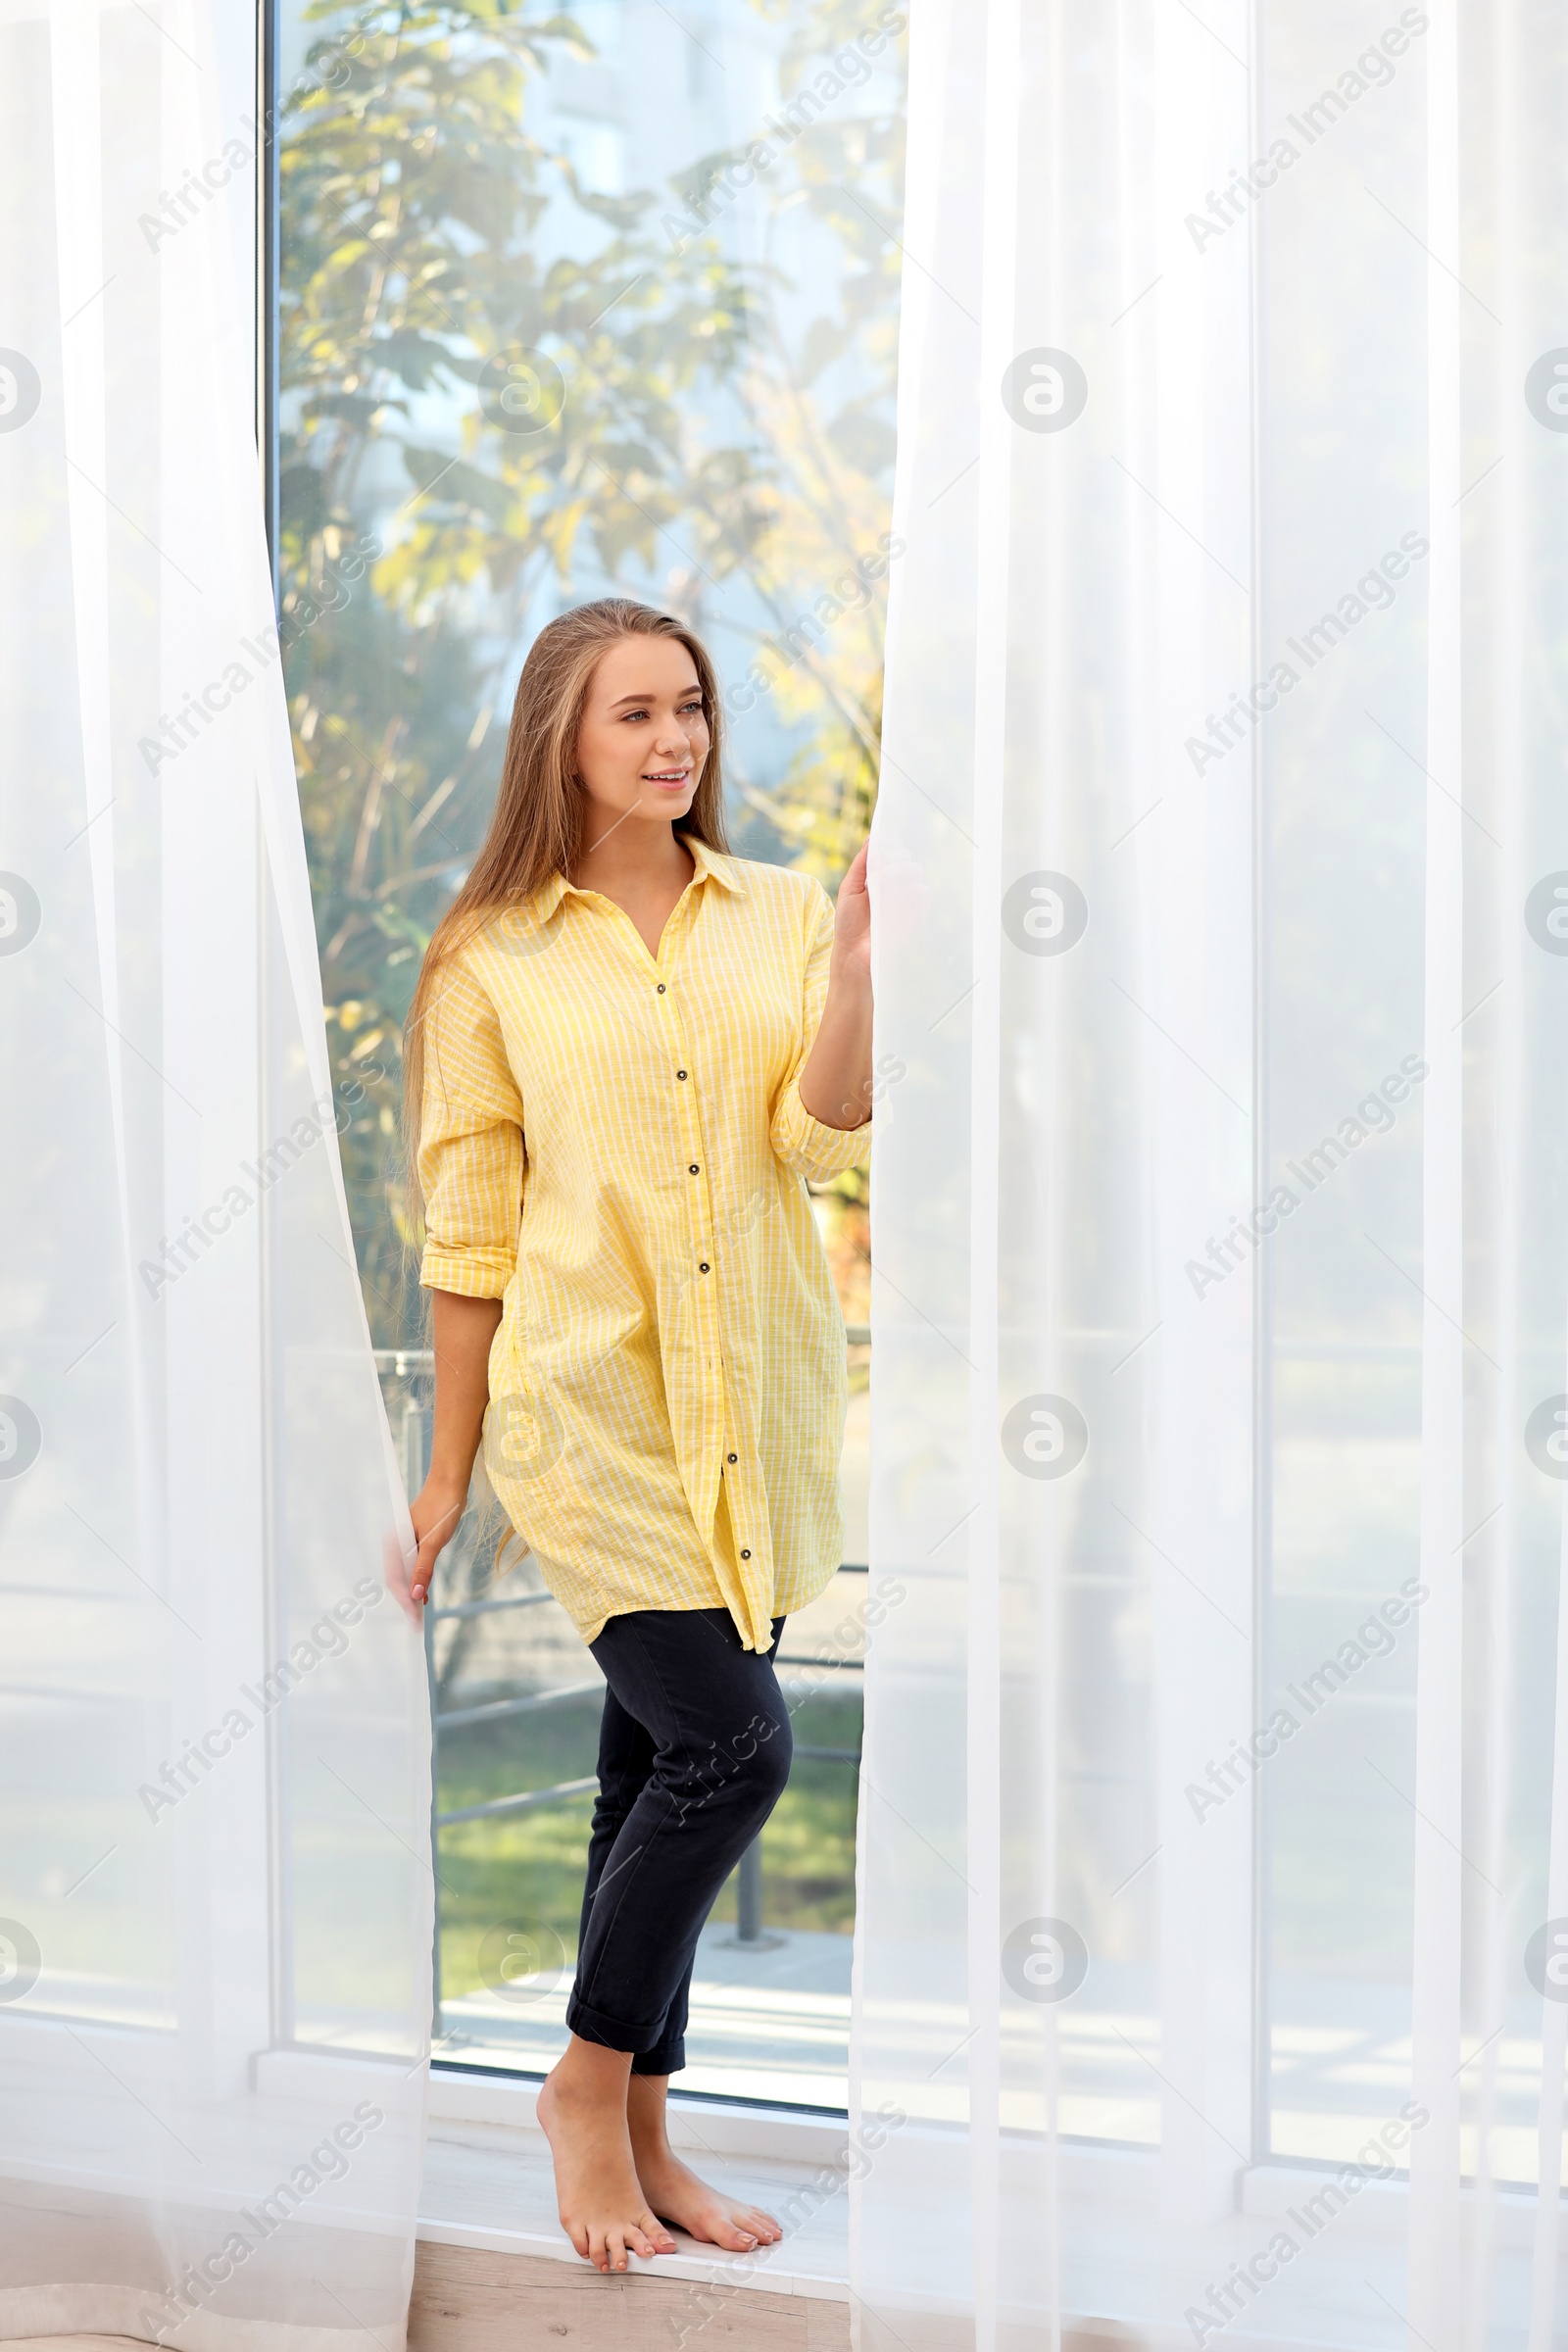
[693,1169]
[702,1266]
[661,988]
[732,1457]
[745,1555]
[680,1073]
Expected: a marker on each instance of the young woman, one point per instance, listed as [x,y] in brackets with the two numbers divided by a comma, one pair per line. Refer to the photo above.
[626,1051]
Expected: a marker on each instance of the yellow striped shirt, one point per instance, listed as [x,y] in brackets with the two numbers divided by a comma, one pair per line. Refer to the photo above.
[615,1147]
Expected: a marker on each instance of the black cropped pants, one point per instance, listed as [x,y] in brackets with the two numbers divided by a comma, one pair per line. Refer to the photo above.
[694,1753]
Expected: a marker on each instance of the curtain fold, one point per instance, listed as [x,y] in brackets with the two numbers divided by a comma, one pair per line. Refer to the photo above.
[1211,1880]
[216,1898]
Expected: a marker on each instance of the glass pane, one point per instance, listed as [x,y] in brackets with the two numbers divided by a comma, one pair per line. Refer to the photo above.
[571,303]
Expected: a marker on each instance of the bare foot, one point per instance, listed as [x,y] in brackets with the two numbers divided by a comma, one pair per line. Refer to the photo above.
[582,2113]
[679,2197]
[673,2190]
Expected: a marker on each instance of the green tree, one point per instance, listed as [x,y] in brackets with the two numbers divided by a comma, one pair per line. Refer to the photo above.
[412,195]
[819,393]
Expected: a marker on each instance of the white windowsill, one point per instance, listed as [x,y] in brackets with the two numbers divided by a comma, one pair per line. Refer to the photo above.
[488,2183]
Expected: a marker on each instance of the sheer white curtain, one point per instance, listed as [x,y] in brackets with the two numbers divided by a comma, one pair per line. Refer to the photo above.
[1214,1854]
[215,1912]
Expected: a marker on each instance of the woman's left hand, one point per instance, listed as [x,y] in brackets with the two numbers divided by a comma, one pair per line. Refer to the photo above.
[852,927]
[836,1082]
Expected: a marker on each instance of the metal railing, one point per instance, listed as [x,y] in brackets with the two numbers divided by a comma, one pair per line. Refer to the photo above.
[413,1438]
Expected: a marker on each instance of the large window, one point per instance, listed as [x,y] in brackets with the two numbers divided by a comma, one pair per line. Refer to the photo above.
[570,302]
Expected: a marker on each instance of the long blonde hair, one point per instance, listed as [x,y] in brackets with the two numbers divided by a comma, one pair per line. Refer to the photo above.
[536,827]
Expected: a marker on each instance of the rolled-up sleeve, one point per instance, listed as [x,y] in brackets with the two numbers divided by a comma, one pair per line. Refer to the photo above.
[804,1144]
[472,1154]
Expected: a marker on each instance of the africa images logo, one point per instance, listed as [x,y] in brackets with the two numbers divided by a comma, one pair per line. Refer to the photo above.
[19,391]
[1045,390]
[1045,1437]
[19,913]
[21,1436]
[1044,1960]
[1546,1437]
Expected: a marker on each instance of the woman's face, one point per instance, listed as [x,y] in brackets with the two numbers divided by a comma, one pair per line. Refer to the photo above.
[644,737]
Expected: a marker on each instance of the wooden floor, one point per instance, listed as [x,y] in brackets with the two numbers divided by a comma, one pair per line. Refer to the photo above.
[467,2300]
[470,2300]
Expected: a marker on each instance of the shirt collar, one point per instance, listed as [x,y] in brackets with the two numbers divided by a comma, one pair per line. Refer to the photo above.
[708,866]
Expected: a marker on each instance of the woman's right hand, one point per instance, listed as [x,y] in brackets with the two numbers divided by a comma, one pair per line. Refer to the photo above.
[462,1330]
[435,1511]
